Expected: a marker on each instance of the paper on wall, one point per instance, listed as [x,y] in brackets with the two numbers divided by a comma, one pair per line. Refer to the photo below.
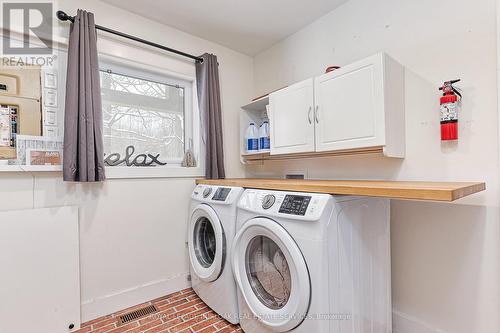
[5,123]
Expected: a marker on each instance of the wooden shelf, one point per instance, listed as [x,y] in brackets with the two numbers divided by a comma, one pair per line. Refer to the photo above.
[413,190]
[8,153]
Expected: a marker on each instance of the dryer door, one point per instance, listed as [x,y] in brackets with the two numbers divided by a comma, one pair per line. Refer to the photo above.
[272,274]
[207,243]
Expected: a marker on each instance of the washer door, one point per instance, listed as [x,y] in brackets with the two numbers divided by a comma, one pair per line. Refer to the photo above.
[272,274]
[207,243]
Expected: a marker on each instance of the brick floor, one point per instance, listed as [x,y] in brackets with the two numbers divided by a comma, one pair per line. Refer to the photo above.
[181,312]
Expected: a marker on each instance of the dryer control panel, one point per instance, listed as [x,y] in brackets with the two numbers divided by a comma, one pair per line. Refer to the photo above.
[221,194]
[216,194]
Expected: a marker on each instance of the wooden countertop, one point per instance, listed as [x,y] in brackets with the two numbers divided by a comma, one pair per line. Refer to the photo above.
[412,190]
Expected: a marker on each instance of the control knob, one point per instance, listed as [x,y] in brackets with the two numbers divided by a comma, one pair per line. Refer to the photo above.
[268,201]
[207,191]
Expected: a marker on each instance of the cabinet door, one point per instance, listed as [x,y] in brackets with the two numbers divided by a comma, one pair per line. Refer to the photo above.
[291,119]
[39,253]
[350,106]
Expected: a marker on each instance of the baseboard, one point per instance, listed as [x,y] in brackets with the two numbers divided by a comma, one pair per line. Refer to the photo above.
[101,306]
[404,323]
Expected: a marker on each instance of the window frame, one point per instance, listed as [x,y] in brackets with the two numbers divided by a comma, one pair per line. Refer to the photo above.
[192,125]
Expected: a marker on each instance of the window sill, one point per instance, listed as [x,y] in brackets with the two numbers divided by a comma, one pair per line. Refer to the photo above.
[119,172]
[30,168]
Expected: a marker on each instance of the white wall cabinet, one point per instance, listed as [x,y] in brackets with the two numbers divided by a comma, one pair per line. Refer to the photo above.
[357,107]
[291,119]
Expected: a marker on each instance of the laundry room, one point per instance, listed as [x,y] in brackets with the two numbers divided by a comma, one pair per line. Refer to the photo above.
[325,166]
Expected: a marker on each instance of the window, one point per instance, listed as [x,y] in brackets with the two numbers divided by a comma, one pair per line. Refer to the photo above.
[148,117]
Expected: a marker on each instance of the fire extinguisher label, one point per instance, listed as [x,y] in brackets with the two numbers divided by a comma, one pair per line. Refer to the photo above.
[449,112]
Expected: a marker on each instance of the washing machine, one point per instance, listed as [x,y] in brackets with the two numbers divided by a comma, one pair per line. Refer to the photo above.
[307,262]
[211,230]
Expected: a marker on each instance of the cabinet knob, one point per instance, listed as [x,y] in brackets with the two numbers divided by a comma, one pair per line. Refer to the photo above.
[316,114]
[309,115]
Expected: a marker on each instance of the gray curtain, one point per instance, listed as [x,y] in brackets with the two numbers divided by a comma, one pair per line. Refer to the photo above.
[207,79]
[83,158]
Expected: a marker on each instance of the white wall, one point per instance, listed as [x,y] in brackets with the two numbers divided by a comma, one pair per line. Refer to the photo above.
[445,256]
[132,232]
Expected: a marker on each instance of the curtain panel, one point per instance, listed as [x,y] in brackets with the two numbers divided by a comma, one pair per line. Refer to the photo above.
[83,158]
[207,80]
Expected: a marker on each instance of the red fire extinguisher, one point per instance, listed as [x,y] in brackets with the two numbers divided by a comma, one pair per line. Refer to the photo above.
[449,110]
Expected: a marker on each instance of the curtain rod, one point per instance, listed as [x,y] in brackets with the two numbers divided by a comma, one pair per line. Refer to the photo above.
[65,17]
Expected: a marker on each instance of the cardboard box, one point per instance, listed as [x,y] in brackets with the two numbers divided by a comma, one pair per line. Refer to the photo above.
[43,157]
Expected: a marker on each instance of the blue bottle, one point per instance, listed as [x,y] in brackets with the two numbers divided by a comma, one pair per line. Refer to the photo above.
[264,142]
[252,138]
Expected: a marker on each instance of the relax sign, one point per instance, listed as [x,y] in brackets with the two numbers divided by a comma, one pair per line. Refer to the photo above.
[140,160]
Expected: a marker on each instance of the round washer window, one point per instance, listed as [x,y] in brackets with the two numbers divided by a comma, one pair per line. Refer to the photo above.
[268,272]
[204,242]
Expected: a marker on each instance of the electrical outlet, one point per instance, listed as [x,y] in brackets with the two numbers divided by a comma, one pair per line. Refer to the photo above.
[294,176]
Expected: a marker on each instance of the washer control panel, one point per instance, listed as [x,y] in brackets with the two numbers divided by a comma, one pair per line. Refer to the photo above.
[292,205]
[295,204]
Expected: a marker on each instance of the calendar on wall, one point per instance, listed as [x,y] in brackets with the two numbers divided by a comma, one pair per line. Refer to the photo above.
[27,144]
